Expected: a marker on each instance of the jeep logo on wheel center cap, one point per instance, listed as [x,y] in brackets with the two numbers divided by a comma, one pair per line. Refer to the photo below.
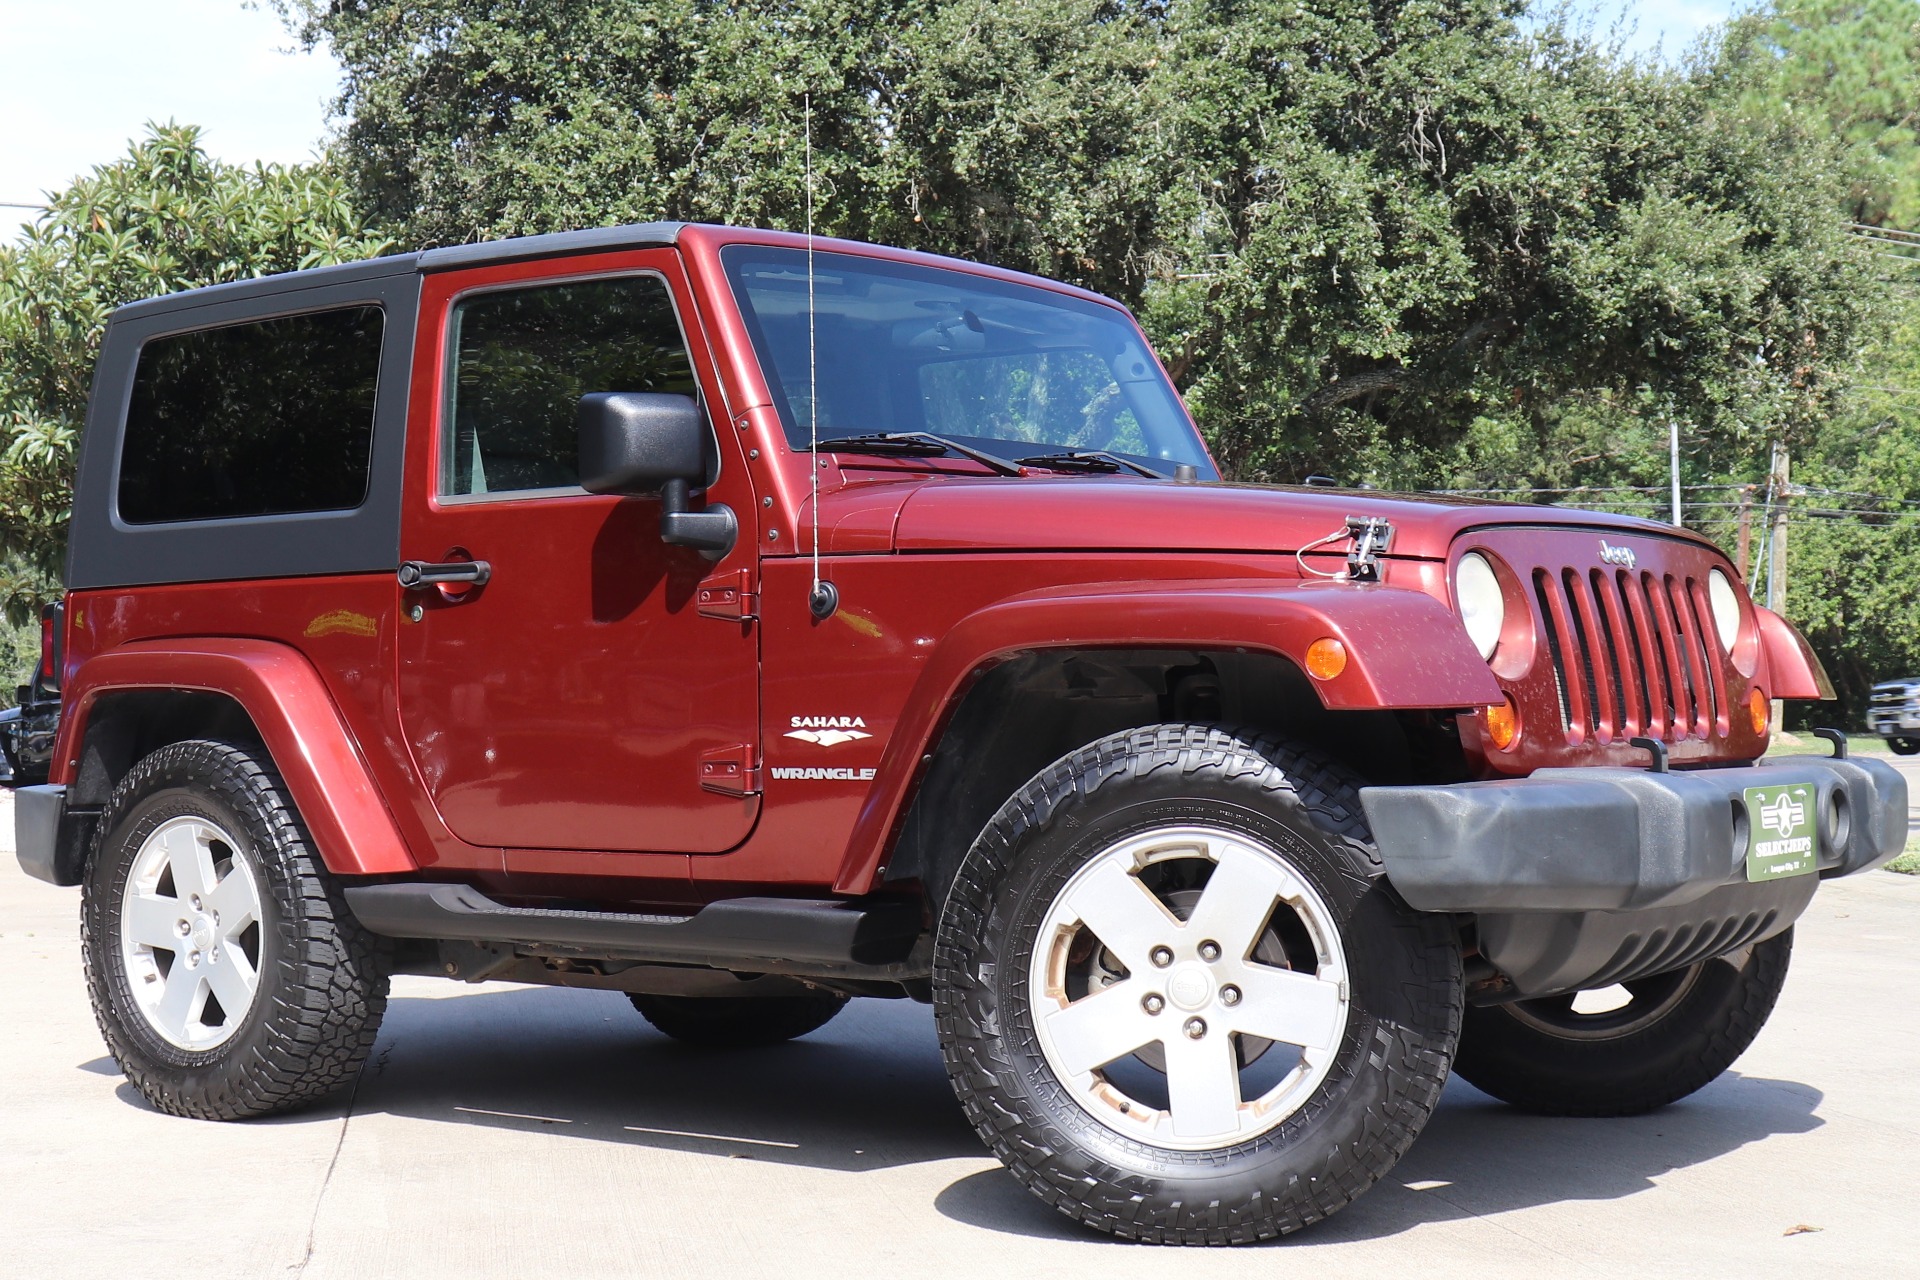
[1190,987]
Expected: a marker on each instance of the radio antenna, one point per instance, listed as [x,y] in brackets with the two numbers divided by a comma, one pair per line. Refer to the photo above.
[824,598]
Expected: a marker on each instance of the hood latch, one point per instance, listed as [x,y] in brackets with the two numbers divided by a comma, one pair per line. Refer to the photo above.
[1372,538]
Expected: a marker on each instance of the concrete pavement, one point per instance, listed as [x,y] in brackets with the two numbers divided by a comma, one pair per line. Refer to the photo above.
[503,1131]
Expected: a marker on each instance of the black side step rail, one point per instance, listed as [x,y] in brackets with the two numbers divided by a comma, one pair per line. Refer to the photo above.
[724,934]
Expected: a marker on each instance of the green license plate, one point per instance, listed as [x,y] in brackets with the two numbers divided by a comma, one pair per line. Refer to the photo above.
[1781,831]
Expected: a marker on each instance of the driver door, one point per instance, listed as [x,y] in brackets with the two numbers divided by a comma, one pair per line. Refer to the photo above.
[569,701]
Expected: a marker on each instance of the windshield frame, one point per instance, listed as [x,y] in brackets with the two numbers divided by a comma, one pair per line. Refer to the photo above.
[739,257]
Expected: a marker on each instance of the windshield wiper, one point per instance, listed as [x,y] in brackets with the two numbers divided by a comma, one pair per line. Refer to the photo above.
[1091,460]
[922,443]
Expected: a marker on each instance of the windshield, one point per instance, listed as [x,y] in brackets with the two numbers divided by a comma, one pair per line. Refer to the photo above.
[1011,369]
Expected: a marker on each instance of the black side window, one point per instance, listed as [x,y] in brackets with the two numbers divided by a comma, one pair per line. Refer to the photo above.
[268,418]
[522,359]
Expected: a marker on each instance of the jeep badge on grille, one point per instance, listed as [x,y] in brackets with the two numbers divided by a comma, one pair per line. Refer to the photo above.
[1610,554]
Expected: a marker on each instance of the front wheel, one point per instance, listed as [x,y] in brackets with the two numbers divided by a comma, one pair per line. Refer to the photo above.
[1176,998]
[1673,1033]
[227,975]
[1904,746]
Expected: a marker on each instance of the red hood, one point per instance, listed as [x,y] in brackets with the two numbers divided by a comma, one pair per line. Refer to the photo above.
[953,513]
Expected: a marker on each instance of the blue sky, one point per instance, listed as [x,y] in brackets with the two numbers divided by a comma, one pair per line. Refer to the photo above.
[1670,24]
[80,77]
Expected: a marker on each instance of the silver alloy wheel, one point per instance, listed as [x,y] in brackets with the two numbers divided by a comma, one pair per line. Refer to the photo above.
[190,933]
[1203,992]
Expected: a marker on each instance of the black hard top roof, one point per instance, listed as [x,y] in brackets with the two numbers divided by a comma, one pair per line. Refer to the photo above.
[646,235]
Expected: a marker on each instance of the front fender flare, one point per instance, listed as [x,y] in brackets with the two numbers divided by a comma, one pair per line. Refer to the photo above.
[1406,651]
[1796,672]
[297,721]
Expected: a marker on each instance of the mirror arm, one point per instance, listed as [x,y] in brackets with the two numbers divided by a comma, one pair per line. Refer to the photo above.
[711,532]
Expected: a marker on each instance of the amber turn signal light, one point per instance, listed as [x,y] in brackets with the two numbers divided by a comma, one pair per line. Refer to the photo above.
[1326,658]
[1759,710]
[1503,723]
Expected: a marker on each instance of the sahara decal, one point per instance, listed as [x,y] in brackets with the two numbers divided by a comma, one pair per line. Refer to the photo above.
[828,731]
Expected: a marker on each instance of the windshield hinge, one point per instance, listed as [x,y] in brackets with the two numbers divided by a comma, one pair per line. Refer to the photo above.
[1372,538]
[730,771]
[729,597]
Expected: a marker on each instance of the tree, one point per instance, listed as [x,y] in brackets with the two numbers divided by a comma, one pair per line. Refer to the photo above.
[1007,132]
[1405,243]
[1429,248]
[164,217]
[1856,64]
[1853,66]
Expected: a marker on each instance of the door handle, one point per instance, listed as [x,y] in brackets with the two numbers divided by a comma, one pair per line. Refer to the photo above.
[416,575]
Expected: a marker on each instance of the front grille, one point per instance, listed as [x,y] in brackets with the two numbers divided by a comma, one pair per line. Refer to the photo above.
[1634,654]
[1891,705]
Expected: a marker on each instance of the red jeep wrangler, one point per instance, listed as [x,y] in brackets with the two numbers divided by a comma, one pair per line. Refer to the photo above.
[744,623]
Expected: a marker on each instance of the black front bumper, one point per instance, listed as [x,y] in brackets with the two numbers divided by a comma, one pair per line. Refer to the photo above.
[1585,877]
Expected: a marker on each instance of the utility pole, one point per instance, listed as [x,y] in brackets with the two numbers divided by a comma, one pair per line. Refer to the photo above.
[1777,479]
[1673,463]
[1745,559]
[1777,554]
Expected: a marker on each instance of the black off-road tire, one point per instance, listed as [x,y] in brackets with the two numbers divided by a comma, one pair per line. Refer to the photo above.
[1691,1037]
[738,1022]
[1904,746]
[322,985]
[1387,1071]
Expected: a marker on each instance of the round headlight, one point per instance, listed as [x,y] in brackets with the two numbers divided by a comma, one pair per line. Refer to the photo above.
[1725,603]
[1482,605]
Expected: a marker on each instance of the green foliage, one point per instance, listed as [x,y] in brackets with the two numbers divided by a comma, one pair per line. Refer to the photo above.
[1855,64]
[1854,579]
[162,218]
[19,655]
[1011,132]
[1407,243]
[1439,251]
[1853,67]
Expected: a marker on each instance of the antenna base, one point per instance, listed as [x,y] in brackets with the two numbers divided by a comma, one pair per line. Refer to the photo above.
[823,601]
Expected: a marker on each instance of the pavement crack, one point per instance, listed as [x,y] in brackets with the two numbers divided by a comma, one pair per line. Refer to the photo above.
[313,1222]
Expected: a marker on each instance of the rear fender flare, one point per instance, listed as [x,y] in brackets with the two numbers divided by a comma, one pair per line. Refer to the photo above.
[295,716]
[1405,651]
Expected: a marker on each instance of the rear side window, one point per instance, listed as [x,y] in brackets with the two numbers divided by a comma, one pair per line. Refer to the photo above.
[268,418]
[522,358]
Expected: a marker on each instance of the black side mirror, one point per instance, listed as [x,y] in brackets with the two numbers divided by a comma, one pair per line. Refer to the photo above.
[645,442]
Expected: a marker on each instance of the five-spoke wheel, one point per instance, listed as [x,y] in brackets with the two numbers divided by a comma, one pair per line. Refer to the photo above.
[1198,954]
[190,933]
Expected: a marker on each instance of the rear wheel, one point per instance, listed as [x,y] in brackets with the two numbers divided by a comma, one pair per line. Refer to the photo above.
[228,978]
[1653,1042]
[738,1022]
[1177,1000]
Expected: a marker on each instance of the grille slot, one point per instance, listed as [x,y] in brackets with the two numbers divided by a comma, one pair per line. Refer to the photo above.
[1631,654]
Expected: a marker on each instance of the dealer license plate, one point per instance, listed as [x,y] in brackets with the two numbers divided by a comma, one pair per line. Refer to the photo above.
[1781,831]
